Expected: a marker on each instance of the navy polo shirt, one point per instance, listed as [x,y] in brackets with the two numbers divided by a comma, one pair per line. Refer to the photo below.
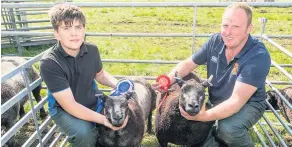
[250,66]
[61,71]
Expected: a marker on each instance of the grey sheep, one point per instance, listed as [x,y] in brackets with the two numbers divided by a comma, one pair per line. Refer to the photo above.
[13,86]
[138,105]
[170,126]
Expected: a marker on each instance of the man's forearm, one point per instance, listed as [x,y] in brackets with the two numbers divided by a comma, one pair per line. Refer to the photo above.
[105,78]
[183,68]
[84,113]
[241,94]
[223,110]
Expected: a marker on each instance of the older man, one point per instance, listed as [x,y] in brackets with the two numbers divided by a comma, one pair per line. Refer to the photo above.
[239,64]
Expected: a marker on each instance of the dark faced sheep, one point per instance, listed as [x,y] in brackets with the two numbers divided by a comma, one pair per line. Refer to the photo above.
[170,126]
[13,86]
[278,103]
[138,105]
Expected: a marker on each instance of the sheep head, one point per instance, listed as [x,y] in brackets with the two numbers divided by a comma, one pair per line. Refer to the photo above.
[116,108]
[193,95]
[271,95]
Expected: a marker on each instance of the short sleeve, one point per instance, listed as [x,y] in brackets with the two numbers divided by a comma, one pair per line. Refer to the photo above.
[255,71]
[53,75]
[98,60]
[201,56]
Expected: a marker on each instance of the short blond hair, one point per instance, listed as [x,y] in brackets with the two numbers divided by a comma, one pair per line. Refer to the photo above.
[244,6]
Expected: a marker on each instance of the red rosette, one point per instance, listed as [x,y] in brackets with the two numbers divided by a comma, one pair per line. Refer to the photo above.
[164,82]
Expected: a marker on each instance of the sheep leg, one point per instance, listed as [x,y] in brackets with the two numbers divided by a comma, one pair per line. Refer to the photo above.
[149,125]
[21,111]
[162,143]
[36,93]
[10,142]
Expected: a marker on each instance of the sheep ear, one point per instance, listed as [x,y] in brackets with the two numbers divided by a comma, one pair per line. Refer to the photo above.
[207,82]
[178,79]
[104,97]
[129,95]
[271,95]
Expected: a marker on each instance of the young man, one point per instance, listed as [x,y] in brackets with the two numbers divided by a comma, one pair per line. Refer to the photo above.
[69,70]
[239,64]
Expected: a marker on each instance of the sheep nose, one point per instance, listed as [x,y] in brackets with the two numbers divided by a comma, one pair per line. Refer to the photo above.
[194,106]
[118,117]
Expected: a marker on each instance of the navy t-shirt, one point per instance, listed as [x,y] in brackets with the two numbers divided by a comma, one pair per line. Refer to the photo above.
[250,66]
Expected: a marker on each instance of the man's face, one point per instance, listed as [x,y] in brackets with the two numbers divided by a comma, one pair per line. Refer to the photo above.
[235,28]
[70,36]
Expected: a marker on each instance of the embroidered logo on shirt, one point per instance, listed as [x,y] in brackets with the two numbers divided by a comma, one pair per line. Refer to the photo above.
[235,68]
[214,59]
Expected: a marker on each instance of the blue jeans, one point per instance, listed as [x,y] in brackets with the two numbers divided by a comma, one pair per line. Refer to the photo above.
[233,131]
[81,133]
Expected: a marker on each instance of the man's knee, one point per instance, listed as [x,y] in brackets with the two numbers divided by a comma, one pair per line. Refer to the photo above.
[233,135]
[228,132]
[83,135]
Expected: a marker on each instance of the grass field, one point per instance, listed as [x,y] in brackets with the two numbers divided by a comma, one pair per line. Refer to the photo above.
[169,20]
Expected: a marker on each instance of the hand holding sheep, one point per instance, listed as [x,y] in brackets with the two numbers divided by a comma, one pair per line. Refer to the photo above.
[199,117]
[109,125]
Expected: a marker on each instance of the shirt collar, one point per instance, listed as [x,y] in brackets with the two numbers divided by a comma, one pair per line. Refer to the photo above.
[220,47]
[248,45]
[83,50]
[60,48]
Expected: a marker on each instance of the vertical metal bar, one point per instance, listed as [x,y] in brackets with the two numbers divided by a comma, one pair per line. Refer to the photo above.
[194,29]
[18,16]
[2,15]
[6,16]
[263,25]
[26,81]
[24,25]
[19,47]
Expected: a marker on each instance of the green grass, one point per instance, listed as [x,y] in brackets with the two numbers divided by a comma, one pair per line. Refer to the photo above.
[167,20]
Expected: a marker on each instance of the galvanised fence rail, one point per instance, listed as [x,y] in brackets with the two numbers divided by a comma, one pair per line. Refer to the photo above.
[263,129]
[14,18]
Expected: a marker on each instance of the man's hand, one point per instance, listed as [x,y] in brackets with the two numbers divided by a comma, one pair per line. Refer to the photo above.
[109,125]
[156,86]
[199,117]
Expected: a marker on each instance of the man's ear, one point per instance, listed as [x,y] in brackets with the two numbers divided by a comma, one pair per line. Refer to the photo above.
[249,28]
[207,82]
[56,34]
